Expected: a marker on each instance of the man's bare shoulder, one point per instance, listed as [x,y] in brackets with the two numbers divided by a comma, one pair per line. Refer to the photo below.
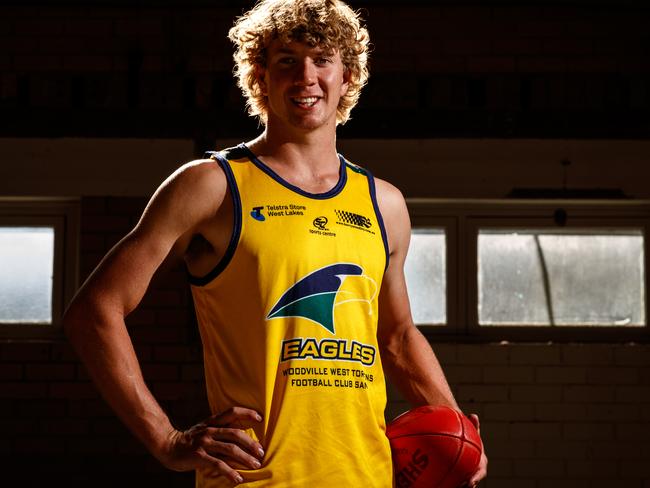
[395,214]
[389,197]
[190,195]
[198,175]
[194,182]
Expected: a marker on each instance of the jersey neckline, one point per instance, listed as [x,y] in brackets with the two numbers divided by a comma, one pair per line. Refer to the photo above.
[335,190]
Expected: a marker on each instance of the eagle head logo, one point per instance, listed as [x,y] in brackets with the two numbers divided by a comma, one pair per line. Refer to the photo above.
[314,296]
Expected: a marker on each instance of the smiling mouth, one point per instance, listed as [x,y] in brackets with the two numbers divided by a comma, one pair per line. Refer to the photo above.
[305,102]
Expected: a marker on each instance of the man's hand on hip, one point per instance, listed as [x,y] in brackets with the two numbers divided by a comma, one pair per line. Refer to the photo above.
[217,445]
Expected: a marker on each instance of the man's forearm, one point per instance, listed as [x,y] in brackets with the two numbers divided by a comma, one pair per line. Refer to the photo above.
[414,369]
[104,346]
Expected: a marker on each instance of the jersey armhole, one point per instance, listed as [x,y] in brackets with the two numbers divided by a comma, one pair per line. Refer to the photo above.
[380,220]
[236,227]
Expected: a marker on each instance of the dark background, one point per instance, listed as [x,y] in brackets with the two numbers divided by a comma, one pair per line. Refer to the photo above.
[460,69]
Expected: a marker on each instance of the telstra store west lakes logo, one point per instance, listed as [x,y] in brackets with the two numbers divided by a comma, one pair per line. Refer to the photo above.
[257,214]
[315,296]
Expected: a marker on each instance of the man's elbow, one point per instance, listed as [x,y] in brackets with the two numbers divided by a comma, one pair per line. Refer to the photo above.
[391,341]
[81,314]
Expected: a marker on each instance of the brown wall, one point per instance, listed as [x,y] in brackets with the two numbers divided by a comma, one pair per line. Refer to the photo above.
[431,168]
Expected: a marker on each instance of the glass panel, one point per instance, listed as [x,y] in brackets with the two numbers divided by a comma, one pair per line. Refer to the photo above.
[26,264]
[577,277]
[426,276]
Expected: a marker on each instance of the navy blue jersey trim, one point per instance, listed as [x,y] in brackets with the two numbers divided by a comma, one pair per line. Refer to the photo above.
[355,168]
[236,230]
[380,220]
[318,196]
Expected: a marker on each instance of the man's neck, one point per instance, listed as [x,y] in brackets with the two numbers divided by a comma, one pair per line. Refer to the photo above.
[295,150]
[309,162]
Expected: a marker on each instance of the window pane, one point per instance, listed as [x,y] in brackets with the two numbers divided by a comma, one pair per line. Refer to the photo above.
[572,278]
[426,276]
[27,263]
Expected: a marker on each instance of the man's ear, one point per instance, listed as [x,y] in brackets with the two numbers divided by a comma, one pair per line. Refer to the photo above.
[347,76]
[260,74]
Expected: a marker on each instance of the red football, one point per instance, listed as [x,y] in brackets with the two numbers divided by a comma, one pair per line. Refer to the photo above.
[433,447]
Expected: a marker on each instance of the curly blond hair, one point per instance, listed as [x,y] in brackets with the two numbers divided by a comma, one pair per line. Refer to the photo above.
[329,24]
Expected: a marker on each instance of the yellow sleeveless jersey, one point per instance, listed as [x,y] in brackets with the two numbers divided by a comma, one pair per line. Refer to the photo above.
[288,321]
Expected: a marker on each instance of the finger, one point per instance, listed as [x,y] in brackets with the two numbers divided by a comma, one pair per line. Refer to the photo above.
[239,417]
[218,467]
[478,476]
[238,437]
[475,420]
[232,452]
[475,479]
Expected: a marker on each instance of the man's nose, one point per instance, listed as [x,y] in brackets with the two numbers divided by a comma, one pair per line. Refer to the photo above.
[306,73]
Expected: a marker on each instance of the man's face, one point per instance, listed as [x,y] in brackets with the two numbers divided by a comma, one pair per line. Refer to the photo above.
[303,85]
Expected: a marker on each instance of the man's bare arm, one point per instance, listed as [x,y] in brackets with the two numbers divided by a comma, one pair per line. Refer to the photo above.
[94,324]
[406,355]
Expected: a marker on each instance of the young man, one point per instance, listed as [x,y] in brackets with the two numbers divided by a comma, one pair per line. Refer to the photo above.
[296,261]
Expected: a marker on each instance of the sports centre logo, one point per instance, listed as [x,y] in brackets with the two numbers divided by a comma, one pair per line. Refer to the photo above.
[320,222]
[320,228]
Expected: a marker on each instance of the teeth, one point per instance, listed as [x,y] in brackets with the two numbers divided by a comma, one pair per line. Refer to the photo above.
[307,100]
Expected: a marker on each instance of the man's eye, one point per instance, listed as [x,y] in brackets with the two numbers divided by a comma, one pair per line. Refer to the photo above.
[286,60]
[323,60]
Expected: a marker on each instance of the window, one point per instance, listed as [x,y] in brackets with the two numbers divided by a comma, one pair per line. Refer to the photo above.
[513,270]
[38,256]
[561,278]
[27,261]
[426,276]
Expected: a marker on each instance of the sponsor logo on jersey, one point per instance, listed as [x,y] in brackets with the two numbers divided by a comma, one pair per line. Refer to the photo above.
[320,222]
[257,214]
[354,220]
[315,296]
[320,227]
[277,210]
[282,210]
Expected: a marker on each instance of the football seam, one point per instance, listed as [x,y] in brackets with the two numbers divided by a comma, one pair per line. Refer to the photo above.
[464,439]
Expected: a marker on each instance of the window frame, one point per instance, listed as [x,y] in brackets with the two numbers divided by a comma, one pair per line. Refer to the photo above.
[468,216]
[62,214]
